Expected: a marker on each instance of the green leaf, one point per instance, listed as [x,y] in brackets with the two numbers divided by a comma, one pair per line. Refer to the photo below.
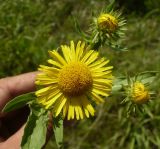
[148,76]
[132,144]
[116,46]
[36,128]
[118,84]
[19,102]
[58,130]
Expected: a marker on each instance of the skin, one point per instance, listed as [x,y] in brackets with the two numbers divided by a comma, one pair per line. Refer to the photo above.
[11,87]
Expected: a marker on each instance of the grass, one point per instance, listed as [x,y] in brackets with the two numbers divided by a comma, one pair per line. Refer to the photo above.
[28,29]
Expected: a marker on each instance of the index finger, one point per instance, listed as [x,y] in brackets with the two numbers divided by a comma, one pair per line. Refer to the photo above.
[16,85]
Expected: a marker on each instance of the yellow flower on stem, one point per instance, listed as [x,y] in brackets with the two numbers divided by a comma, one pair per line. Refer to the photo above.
[76,79]
[107,28]
[139,93]
[107,22]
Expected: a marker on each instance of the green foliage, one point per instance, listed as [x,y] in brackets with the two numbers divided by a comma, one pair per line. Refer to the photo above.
[19,102]
[58,131]
[36,128]
[28,29]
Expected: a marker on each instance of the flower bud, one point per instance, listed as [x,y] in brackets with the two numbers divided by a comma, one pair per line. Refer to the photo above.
[107,22]
[139,93]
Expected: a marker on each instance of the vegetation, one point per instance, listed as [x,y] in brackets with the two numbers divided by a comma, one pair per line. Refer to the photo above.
[28,29]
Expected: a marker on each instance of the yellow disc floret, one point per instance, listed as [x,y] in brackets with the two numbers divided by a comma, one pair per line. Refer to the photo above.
[139,93]
[75,79]
[107,22]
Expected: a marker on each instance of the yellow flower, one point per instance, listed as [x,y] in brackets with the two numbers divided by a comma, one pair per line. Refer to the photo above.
[107,22]
[139,93]
[76,79]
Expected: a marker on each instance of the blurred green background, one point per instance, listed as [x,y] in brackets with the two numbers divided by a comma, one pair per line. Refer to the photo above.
[29,28]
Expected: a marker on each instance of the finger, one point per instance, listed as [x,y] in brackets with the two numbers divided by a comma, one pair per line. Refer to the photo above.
[2,129]
[13,86]
[13,121]
[14,141]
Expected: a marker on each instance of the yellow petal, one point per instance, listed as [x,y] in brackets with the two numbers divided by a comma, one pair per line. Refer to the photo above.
[66,53]
[97,98]
[92,58]
[77,112]
[86,112]
[104,82]
[80,112]
[102,88]
[50,102]
[56,56]
[73,52]
[79,50]
[46,82]
[55,63]
[97,69]
[76,104]
[100,92]
[102,64]
[52,93]
[50,71]
[60,105]
[101,74]
[97,63]
[87,105]
[87,55]
[42,91]
[65,108]
[70,112]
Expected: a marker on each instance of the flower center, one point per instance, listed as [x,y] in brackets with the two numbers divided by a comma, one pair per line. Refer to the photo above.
[107,22]
[140,94]
[75,79]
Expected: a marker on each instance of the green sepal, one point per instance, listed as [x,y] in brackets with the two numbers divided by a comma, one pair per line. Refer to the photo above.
[110,7]
[36,128]
[96,41]
[58,130]
[116,46]
[19,102]
[80,32]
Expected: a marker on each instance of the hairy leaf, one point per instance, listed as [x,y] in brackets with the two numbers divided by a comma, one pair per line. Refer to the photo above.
[58,130]
[36,128]
[19,102]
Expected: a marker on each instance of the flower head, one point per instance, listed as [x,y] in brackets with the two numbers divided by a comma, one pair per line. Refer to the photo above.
[107,22]
[108,28]
[139,93]
[75,80]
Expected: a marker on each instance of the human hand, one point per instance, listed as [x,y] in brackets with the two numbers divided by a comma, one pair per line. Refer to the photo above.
[12,124]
